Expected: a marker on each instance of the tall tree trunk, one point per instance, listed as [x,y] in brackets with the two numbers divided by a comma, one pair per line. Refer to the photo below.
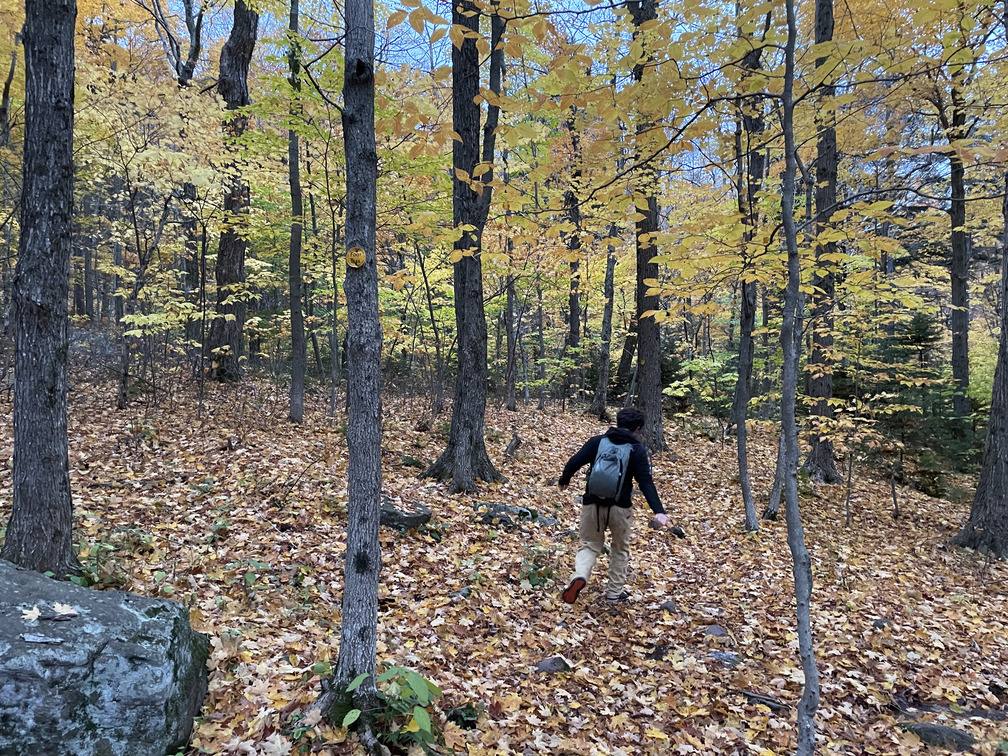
[228,324]
[600,402]
[511,373]
[802,565]
[299,357]
[987,527]
[39,531]
[750,180]
[541,348]
[960,287]
[821,461]
[362,565]
[465,458]
[573,212]
[649,384]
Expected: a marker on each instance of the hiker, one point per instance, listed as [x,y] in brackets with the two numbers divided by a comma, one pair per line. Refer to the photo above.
[615,458]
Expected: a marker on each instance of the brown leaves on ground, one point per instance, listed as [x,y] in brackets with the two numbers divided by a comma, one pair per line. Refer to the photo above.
[241,516]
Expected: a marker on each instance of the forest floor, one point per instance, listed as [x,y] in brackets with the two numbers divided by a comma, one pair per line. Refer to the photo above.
[241,516]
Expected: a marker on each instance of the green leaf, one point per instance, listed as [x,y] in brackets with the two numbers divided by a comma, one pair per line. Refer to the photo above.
[322,669]
[351,717]
[422,718]
[357,681]
[419,686]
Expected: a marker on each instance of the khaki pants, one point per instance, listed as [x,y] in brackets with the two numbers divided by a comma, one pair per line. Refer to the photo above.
[595,521]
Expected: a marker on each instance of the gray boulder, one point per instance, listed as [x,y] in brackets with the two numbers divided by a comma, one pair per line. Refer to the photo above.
[88,672]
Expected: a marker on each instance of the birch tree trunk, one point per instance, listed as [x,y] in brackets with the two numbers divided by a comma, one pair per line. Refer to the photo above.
[802,566]
[362,566]
[39,531]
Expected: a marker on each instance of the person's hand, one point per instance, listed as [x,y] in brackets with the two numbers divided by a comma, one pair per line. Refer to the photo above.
[659,521]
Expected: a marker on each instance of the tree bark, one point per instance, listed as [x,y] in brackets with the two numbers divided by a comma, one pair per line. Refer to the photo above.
[960,286]
[357,651]
[511,372]
[821,461]
[748,136]
[299,356]
[465,458]
[39,531]
[649,392]
[802,565]
[987,526]
[225,338]
[573,211]
[600,402]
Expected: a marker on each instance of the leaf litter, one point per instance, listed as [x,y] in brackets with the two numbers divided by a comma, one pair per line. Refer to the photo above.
[241,517]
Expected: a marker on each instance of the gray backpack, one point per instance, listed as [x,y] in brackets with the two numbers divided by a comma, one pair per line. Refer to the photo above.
[608,471]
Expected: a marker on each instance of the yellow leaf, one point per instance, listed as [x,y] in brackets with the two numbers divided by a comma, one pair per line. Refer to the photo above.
[395,19]
[416,20]
[651,732]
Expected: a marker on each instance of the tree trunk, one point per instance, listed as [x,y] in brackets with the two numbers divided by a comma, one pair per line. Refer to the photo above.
[987,527]
[465,458]
[226,328]
[511,373]
[39,531]
[299,356]
[541,348]
[649,390]
[802,565]
[600,402]
[750,181]
[573,212]
[362,567]
[821,462]
[627,357]
[960,288]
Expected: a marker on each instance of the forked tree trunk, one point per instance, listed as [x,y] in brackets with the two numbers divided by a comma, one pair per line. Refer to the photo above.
[465,458]
[362,566]
[802,565]
[821,461]
[299,358]
[600,402]
[987,527]
[39,531]
[649,390]
[225,339]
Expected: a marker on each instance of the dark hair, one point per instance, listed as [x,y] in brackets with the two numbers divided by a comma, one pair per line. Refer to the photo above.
[630,418]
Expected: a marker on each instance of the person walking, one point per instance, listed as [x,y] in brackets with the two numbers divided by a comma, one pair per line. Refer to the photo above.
[614,458]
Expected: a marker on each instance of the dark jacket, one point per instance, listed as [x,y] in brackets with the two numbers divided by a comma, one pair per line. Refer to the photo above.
[639,469]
